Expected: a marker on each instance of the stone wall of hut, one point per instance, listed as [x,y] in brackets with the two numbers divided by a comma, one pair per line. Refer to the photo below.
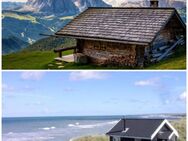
[109,53]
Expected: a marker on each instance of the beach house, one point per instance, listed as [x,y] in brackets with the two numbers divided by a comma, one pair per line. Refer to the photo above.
[125,36]
[143,130]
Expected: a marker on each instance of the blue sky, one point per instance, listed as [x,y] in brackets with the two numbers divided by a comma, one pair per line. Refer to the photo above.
[92,93]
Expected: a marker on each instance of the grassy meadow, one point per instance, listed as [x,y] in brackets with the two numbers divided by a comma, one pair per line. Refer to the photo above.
[19,17]
[40,55]
[45,60]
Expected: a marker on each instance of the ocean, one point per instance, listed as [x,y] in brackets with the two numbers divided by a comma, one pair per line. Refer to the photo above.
[59,128]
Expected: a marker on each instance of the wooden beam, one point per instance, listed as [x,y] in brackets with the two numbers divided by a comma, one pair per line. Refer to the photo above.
[60,50]
[168,50]
[48,35]
[64,49]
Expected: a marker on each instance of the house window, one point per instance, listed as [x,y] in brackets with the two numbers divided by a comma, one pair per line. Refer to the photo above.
[116,138]
[127,139]
[161,140]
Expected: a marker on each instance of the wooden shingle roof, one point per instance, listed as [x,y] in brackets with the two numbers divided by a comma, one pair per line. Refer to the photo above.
[128,25]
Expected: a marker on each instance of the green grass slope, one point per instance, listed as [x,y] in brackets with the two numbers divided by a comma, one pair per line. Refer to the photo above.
[12,44]
[41,60]
[27,60]
[41,56]
[176,61]
[50,43]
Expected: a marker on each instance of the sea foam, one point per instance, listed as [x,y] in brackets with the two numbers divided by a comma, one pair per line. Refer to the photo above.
[48,128]
[91,125]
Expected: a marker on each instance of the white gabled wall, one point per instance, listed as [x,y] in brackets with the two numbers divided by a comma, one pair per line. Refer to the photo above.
[161,125]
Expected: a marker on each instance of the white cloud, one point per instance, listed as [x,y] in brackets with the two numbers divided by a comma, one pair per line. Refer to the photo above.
[32,75]
[183,96]
[12,89]
[86,75]
[7,88]
[147,82]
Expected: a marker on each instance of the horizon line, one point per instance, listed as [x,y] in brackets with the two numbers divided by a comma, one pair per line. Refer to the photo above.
[94,115]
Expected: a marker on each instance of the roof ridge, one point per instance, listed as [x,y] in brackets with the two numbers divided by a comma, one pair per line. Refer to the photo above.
[143,118]
[131,8]
[127,25]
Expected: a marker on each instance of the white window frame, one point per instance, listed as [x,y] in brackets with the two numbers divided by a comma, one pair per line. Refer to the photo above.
[116,138]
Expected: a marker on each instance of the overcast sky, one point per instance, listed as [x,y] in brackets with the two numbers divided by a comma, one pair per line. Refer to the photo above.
[92,93]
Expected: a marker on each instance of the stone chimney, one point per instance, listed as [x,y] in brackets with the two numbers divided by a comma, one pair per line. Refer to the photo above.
[154,3]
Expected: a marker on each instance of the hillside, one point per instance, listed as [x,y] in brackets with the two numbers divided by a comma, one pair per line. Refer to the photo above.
[12,44]
[28,20]
[23,26]
[50,43]
[27,27]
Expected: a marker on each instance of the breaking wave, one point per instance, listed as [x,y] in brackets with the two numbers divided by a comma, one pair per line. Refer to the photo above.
[48,128]
[77,125]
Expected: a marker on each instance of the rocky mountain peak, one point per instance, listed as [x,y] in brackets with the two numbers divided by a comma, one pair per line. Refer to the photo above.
[52,6]
[62,6]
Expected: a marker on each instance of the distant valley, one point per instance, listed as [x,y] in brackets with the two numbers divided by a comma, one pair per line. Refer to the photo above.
[23,22]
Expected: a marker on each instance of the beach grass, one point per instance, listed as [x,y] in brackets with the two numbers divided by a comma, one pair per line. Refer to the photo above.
[180,126]
[92,138]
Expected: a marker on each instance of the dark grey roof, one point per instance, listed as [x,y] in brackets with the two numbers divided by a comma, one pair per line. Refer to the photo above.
[140,128]
[131,25]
